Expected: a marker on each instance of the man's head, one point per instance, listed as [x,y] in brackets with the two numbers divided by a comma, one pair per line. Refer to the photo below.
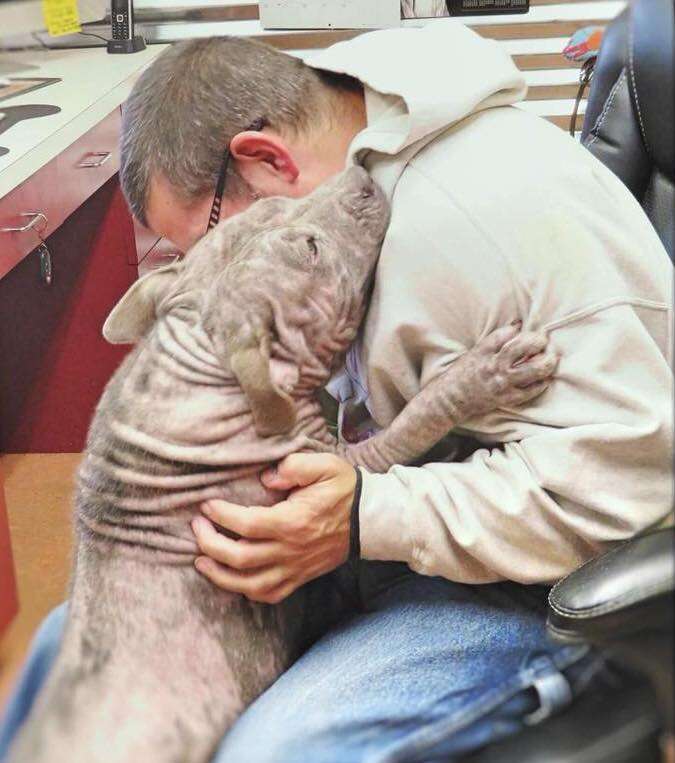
[284,282]
[197,99]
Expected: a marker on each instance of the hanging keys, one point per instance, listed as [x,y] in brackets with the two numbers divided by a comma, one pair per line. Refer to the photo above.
[46,269]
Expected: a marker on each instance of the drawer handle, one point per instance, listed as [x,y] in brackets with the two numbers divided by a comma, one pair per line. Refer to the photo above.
[101,158]
[35,218]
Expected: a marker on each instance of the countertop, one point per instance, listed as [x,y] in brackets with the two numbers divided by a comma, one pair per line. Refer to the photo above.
[93,83]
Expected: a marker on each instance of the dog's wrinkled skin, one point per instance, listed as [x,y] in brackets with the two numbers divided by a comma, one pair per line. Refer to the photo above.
[234,342]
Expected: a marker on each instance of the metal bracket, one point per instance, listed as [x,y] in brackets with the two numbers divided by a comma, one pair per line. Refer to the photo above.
[102,158]
[30,225]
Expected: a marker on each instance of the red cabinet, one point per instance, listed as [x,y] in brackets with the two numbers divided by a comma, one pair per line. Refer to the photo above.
[54,361]
[52,194]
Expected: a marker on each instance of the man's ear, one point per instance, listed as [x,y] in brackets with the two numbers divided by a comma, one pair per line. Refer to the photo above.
[135,313]
[260,149]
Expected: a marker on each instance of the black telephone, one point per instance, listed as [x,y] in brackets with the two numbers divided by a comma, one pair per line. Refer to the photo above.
[122,24]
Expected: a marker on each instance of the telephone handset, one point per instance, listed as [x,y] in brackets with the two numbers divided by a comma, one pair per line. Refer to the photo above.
[122,24]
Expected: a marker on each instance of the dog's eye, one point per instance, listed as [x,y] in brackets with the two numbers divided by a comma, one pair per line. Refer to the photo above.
[313,248]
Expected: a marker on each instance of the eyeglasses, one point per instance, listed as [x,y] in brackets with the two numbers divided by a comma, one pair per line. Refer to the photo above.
[214,217]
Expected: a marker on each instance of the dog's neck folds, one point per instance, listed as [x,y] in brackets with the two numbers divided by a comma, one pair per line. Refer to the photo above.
[174,429]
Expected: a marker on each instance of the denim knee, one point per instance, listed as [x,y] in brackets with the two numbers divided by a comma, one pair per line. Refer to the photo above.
[41,656]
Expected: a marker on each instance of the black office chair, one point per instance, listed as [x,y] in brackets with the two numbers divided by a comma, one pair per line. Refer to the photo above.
[630,116]
[622,602]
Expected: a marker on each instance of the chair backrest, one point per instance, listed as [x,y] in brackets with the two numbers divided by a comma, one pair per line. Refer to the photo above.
[630,116]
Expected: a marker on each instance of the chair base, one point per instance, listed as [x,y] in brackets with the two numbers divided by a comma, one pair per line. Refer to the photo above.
[605,726]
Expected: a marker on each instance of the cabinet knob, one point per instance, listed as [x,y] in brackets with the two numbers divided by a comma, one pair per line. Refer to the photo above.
[35,218]
[98,158]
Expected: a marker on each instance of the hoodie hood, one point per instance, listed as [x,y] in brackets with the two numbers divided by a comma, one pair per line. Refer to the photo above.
[418,82]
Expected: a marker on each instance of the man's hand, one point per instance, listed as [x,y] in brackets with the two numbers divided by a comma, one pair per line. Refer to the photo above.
[284,546]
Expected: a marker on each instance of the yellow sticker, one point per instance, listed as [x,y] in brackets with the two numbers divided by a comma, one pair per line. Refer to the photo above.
[61,17]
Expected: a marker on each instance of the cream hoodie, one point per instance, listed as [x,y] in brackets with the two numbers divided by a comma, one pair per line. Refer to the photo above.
[498,214]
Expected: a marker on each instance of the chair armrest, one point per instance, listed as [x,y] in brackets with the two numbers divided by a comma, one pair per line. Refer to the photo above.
[626,590]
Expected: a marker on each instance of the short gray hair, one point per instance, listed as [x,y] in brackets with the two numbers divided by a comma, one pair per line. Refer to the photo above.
[188,105]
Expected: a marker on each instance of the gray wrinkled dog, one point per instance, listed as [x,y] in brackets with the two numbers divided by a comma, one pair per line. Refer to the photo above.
[234,342]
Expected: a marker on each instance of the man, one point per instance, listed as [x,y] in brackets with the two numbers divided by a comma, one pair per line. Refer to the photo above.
[420,9]
[496,216]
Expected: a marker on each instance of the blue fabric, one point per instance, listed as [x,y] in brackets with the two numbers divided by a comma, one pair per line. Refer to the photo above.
[415,670]
[40,659]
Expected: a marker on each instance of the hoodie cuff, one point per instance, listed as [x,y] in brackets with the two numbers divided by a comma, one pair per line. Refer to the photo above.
[354,520]
[384,531]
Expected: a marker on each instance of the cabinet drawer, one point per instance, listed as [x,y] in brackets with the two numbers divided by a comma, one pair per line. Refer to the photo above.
[54,192]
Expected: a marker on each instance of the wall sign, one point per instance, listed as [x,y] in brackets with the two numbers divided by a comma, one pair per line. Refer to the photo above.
[422,9]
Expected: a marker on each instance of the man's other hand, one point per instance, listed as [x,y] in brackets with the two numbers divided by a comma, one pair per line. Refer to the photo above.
[283,546]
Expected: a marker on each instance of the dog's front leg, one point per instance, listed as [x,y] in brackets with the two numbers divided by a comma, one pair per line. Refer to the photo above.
[504,370]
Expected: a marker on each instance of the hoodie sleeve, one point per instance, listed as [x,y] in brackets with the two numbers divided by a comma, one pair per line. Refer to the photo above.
[533,510]
[587,463]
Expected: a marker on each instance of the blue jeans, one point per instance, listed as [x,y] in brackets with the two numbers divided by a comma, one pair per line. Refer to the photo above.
[412,670]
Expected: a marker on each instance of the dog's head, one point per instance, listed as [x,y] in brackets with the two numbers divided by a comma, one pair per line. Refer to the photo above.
[284,282]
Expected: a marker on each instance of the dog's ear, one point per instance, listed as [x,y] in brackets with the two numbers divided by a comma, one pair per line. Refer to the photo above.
[240,322]
[273,408]
[135,313]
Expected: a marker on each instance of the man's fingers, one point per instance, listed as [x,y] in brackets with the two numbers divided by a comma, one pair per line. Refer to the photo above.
[534,369]
[254,585]
[523,346]
[300,470]
[282,592]
[237,554]
[272,479]
[248,521]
